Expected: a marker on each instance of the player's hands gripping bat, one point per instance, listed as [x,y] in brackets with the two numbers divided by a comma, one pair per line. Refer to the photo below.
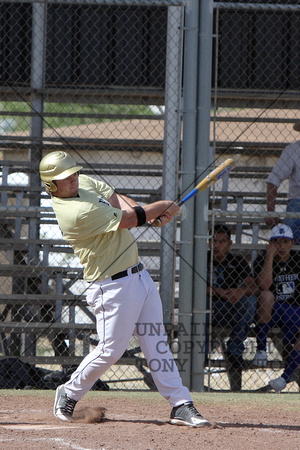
[210,179]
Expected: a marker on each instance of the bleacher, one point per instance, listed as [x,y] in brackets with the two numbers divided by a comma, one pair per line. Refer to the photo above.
[242,209]
[26,265]
[244,212]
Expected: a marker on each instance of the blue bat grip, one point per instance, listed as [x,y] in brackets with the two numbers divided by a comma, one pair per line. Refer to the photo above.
[187,197]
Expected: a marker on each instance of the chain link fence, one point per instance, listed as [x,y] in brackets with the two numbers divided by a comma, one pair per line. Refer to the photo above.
[88,79]
[256,81]
[104,82]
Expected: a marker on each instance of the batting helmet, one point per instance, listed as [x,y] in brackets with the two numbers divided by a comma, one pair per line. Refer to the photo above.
[57,166]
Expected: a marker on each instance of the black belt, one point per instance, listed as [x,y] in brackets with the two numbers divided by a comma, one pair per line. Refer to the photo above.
[126,272]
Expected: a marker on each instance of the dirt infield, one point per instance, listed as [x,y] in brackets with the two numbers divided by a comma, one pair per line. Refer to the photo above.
[135,420]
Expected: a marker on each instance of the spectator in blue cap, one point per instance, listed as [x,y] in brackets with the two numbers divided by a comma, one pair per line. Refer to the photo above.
[277,273]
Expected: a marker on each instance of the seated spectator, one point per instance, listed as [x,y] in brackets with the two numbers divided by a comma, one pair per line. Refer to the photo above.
[233,299]
[277,274]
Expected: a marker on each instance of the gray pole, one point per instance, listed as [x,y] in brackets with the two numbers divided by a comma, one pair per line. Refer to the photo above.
[38,57]
[39,17]
[188,180]
[38,62]
[201,211]
[171,155]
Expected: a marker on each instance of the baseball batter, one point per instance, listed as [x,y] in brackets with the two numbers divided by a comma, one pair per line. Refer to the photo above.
[95,221]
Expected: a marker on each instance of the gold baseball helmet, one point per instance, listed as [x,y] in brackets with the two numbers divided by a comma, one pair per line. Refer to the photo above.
[57,166]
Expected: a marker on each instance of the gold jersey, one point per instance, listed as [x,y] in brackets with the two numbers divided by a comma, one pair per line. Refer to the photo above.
[90,224]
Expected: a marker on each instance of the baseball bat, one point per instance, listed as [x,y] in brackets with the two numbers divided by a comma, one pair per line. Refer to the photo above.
[206,182]
[210,179]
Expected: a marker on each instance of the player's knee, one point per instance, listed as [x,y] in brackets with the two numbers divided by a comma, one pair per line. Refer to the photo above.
[111,355]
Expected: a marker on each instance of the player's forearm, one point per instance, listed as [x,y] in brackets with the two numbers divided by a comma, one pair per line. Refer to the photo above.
[165,209]
[152,211]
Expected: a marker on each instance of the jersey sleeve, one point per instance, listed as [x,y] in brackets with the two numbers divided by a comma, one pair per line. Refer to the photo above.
[283,167]
[93,185]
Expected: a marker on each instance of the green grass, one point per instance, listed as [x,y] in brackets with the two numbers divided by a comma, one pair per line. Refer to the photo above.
[22,123]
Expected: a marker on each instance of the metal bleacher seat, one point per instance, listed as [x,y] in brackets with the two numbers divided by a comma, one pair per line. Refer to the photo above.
[250,235]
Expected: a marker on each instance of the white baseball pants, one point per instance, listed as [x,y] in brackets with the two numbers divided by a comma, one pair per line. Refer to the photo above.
[129,305]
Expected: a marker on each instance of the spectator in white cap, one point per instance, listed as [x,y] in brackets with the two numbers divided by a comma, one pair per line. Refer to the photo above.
[286,168]
[277,273]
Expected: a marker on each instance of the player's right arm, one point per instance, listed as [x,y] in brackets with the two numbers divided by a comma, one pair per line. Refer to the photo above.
[165,209]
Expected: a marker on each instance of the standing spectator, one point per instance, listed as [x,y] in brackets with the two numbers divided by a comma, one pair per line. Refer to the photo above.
[233,297]
[287,167]
[95,221]
[277,273]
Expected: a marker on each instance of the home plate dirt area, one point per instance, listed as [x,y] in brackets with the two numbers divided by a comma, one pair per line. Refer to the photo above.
[118,420]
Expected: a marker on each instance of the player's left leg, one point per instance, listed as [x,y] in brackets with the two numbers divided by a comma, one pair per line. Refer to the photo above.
[152,338]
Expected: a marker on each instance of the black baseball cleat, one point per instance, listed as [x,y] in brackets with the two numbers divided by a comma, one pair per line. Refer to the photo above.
[187,414]
[63,405]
